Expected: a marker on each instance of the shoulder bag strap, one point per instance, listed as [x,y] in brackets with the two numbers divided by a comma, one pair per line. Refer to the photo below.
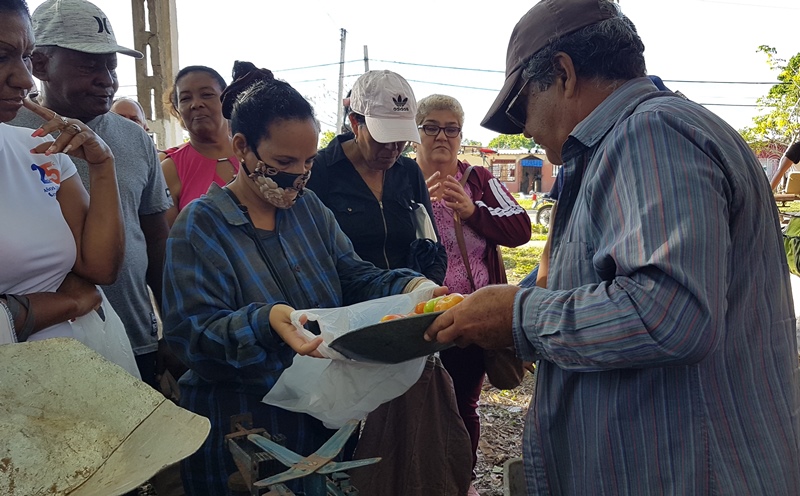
[462,245]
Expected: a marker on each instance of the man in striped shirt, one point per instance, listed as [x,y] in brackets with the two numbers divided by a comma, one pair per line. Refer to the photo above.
[665,338]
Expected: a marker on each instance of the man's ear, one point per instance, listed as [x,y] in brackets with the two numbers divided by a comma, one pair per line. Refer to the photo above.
[566,78]
[40,61]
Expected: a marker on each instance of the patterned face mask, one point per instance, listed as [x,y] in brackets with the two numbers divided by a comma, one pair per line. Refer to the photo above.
[280,189]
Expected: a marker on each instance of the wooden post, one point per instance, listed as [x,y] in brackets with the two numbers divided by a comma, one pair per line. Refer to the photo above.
[155,34]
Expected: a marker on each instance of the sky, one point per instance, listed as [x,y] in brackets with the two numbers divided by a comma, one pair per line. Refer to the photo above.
[459,48]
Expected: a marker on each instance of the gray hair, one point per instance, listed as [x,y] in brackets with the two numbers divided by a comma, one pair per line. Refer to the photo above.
[433,103]
[610,50]
[133,101]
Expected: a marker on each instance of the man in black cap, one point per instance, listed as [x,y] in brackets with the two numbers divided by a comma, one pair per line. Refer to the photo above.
[665,337]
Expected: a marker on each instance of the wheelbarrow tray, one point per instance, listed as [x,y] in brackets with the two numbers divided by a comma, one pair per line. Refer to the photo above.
[393,341]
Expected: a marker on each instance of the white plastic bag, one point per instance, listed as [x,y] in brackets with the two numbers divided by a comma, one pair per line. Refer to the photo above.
[336,389]
[106,337]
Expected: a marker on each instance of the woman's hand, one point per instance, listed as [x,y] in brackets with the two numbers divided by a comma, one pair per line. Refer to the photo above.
[75,138]
[456,198]
[434,186]
[281,323]
[82,292]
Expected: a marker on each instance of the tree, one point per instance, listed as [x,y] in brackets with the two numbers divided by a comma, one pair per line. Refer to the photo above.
[512,142]
[325,138]
[779,119]
[469,142]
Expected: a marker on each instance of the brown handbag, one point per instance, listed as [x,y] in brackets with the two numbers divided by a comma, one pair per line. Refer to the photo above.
[503,368]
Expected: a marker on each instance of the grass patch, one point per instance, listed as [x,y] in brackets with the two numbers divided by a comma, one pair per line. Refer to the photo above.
[538,230]
[520,261]
[791,207]
[525,203]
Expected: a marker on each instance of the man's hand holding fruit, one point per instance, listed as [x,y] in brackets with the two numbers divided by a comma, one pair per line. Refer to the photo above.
[484,318]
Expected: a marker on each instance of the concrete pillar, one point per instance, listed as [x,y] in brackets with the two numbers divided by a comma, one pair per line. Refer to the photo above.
[155,34]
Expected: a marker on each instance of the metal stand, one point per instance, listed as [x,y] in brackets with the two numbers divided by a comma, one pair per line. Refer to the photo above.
[261,460]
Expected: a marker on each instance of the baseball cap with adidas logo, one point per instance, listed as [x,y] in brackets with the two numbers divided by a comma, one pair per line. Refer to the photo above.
[388,103]
[77,25]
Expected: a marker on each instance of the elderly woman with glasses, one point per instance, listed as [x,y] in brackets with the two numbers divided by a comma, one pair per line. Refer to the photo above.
[488,216]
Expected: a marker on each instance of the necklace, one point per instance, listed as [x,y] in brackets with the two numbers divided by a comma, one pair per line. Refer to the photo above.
[378,192]
[233,169]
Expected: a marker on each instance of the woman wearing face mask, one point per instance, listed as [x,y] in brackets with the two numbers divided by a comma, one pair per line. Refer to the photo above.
[370,186]
[208,156]
[241,258]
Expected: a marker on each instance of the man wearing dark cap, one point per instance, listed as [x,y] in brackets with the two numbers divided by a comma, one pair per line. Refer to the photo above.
[665,337]
[76,59]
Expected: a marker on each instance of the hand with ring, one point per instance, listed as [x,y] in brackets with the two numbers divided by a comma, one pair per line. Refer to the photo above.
[75,138]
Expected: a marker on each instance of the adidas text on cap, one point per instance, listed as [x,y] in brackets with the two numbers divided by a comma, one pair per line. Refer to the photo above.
[387,102]
[77,25]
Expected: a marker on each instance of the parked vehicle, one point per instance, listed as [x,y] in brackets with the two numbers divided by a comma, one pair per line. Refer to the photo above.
[543,205]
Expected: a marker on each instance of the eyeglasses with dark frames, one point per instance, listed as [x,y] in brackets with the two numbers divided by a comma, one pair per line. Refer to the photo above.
[449,131]
[517,109]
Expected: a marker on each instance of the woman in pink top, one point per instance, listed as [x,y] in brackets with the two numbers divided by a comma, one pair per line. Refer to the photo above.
[208,156]
[489,216]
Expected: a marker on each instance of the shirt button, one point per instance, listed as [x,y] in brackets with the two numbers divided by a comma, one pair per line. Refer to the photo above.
[349,209]
[297,268]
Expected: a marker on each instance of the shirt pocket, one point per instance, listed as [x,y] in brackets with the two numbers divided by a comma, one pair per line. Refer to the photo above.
[346,207]
[574,264]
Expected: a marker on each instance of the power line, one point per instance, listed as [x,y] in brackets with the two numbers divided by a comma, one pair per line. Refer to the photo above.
[439,66]
[781,7]
[722,82]
[452,85]
[728,104]
[315,66]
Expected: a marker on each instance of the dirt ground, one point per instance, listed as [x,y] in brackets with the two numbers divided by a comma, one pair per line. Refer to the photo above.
[502,419]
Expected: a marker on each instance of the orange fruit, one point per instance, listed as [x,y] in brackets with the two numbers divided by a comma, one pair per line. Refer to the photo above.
[392,316]
[448,301]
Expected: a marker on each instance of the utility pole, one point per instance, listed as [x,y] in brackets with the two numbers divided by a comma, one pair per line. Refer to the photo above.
[155,34]
[339,110]
[366,59]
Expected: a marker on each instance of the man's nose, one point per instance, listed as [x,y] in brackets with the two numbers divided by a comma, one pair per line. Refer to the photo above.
[105,78]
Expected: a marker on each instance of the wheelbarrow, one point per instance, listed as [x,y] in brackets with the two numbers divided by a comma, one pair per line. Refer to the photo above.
[261,459]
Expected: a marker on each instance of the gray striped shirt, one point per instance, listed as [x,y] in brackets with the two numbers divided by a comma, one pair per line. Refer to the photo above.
[666,334]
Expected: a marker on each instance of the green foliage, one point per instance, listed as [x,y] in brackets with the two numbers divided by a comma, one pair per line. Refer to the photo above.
[525,203]
[325,138]
[512,142]
[470,142]
[790,207]
[779,118]
[520,261]
[538,230]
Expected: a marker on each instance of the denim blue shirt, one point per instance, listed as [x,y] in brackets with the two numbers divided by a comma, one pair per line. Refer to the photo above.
[666,341]
[218,289]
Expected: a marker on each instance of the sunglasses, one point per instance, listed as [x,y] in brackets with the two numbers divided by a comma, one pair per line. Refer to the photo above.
[517,110]
[449,131]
